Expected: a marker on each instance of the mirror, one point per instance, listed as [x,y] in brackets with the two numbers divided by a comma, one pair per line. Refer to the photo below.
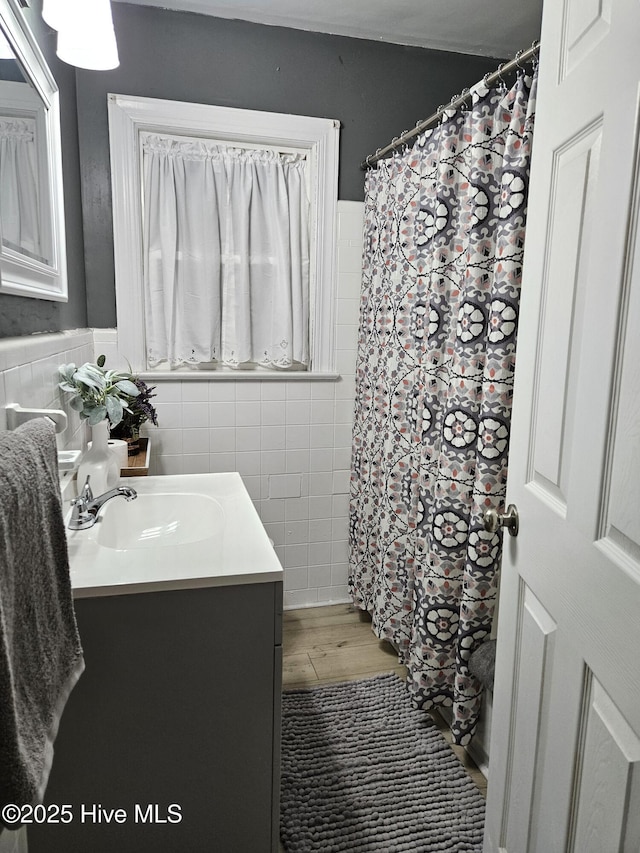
[32,250]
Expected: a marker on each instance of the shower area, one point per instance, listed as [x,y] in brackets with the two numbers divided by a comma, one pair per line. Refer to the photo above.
[444,232]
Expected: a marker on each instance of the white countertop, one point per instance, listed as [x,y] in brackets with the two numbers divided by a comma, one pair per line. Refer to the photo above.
[241,554]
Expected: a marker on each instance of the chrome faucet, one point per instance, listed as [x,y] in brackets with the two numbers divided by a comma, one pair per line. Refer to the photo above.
[86,508]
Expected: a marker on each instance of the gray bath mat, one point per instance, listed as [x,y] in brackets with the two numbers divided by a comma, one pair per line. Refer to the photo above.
[363,772]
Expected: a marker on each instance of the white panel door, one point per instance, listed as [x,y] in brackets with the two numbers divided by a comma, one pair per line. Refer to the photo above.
[565,739]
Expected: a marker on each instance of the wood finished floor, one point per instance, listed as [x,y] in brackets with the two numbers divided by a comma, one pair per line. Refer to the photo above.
[322,645]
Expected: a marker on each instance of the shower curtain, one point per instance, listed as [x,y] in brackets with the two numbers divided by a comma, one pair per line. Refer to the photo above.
[444,235]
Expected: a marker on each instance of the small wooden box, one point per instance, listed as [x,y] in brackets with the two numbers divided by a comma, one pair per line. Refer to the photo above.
[138,465]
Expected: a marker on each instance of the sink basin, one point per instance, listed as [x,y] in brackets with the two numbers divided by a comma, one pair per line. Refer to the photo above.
[159,520]
[183,531]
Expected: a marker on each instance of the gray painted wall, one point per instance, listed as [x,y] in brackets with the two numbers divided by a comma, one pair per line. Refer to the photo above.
[20,315]
[375,90]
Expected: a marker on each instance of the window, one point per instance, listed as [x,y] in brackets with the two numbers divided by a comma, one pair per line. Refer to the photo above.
[248,287]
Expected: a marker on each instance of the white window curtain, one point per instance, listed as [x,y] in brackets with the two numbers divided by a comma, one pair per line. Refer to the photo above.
[19,207]
[226,254]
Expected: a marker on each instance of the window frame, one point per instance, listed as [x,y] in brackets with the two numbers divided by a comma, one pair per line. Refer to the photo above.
[128,116]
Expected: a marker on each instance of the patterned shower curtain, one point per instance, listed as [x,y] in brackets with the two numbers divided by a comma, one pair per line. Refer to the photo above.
[444,235]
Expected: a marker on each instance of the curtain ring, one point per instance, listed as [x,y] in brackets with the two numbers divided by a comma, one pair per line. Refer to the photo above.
[502,80]
[485,79]
[517,60]
[535,59]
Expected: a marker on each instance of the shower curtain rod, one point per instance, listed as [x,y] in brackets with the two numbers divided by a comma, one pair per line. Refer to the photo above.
[456,101]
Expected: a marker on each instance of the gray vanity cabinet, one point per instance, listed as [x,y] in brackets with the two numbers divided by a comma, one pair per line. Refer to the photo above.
[175,722]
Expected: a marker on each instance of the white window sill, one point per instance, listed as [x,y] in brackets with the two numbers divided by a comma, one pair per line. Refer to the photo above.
[239,375]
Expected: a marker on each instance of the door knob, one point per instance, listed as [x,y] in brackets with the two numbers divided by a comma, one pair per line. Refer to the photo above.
[494,520]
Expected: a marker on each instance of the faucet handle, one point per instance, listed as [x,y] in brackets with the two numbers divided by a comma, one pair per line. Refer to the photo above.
[87,492]
[81,518]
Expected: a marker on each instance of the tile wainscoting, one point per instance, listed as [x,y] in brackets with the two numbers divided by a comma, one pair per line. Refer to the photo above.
[28,376]
[290,440]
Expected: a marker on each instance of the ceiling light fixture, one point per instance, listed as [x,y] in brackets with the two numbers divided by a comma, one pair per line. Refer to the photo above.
[56,12]
[86,37]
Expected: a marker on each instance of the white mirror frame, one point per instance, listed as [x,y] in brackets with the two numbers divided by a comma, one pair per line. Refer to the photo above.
[21,275]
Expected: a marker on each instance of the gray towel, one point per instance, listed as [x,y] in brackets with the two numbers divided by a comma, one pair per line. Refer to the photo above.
[40,654]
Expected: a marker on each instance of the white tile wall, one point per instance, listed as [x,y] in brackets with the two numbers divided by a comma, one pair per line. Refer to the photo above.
[28,376]
[291,441]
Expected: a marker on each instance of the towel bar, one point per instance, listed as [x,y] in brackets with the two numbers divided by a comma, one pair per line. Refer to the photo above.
[16,415]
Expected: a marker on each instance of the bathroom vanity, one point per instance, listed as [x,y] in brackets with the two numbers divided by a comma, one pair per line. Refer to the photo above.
[170,740]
